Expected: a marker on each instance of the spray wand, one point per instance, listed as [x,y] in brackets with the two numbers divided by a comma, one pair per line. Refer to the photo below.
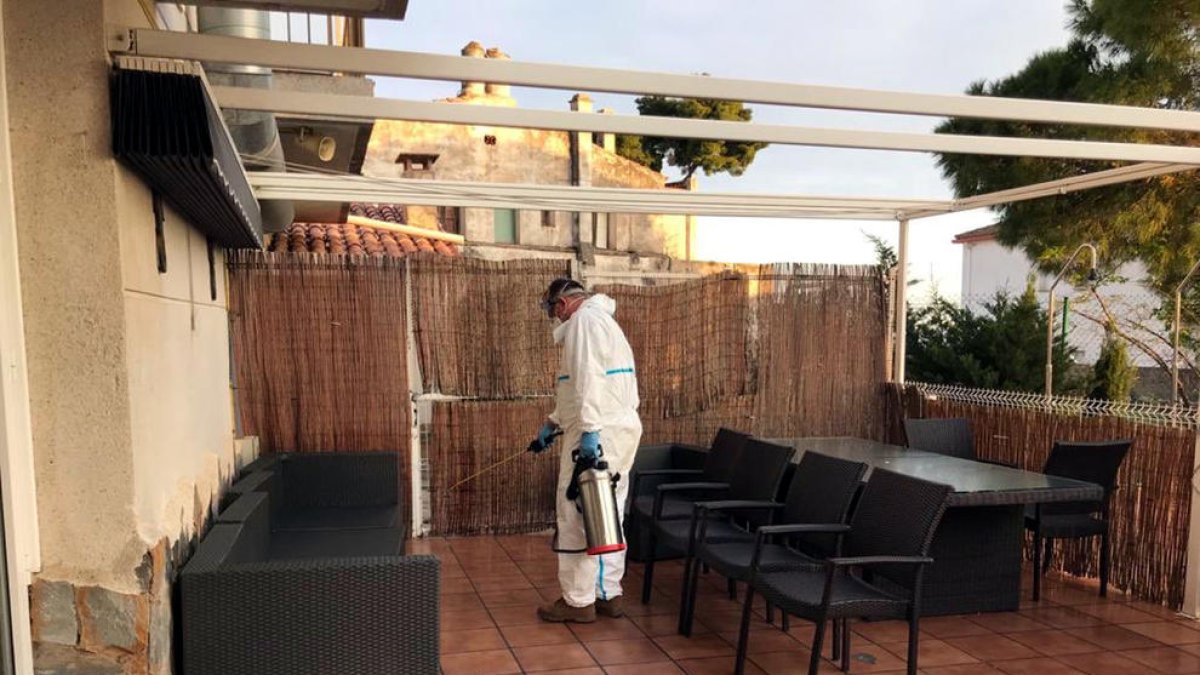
[533,447]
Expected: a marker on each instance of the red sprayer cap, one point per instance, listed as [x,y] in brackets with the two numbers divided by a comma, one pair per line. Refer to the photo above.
[611,548]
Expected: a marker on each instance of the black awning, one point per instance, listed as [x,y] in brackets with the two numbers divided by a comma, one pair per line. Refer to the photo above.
[167,128]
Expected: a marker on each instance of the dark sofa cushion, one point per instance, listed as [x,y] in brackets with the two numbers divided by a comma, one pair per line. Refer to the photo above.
[245,507]
[339,519]
[299,545]
[256,481]
[262,463]
[251,515]
[340,480]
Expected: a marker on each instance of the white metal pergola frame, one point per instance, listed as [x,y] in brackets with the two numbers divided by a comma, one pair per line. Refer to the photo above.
[1147,159]
[1142,160]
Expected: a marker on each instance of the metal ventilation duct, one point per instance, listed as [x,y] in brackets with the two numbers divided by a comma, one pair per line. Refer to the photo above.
[255,134]
[167,128]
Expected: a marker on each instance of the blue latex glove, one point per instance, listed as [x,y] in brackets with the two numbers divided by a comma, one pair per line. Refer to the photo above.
[545,438]
[589,445]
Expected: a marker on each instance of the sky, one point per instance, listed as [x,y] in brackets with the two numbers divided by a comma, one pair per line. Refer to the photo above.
[928,46]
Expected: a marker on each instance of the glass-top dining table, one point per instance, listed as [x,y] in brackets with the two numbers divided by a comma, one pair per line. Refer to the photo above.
[977,547]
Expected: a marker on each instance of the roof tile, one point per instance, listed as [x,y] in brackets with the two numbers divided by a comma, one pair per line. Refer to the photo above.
[345,239]
[978,234]
[391,213]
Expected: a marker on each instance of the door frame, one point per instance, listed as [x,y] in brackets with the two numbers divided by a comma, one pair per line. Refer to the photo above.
[18,493]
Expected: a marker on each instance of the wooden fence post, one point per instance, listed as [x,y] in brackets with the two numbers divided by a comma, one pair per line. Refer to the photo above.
[889,336]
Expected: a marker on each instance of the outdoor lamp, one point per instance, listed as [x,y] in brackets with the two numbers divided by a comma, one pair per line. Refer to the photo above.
[1092,276]
[324,147]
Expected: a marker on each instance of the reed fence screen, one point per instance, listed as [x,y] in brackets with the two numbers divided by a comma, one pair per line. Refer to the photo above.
[319,354]
[480,331]
[321,346]
[322,362]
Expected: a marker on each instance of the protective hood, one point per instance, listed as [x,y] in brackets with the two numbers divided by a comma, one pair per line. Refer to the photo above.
[597,303]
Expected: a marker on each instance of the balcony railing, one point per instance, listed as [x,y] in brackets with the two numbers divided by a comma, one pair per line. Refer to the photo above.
[317,29]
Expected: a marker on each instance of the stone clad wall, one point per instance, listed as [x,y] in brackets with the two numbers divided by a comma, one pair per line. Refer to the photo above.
[106,631]
[517,156]
[92,628]
[662,235]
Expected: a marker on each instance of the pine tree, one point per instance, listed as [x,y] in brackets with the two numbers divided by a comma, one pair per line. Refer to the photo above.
[1001,347]
[1129,52]
[690,155]
[1114,375]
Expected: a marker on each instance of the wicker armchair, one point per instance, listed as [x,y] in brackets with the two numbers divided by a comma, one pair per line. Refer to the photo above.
[945,436]
[657,465]
[756,477]
[822,491]
[1091,462]
[889,535]
[304,573]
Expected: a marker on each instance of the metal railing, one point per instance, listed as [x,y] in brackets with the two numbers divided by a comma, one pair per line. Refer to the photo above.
[322,29]
[1152,413]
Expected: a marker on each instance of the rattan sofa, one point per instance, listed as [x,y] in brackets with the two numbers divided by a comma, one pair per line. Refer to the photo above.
[304,572]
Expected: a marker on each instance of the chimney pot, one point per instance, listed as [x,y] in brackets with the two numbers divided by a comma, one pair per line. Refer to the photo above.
[581,103]
[472,50]
[606,140]
[500,90]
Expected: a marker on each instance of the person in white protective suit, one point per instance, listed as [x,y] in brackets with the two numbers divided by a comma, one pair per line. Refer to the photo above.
[596,403]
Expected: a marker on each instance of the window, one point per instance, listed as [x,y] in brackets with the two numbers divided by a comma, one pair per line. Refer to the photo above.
[600,230]
[547,219]
[416,161]
[505,221]
[450,218]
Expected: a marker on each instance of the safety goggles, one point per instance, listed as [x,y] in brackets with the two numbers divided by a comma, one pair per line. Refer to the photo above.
[549,303]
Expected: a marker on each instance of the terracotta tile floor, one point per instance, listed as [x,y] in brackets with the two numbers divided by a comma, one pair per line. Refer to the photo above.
[491,586]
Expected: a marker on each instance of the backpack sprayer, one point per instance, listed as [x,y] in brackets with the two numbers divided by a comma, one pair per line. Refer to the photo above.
[594,491]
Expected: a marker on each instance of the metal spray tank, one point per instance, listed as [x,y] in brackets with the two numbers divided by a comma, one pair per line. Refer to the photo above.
[597,501]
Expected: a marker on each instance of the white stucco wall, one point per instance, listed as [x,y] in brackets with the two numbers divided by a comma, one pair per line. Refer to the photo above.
[177,351]
[989,267]
[128,370]
[64,189]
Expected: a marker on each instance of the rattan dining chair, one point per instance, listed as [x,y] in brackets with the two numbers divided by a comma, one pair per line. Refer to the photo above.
[822,491]
[1091,462]
[946,436]
[756,477]
[889,535]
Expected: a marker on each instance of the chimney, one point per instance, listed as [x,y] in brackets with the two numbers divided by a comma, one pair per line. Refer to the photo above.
[583,224]
[604,140]
[581,103]
[498,90]
[471,89]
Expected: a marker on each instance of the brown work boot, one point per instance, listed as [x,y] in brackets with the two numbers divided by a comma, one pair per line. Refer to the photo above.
[614,607]
[560,612]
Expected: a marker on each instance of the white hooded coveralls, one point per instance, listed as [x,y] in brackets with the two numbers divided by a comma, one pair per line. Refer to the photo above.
[596,391]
